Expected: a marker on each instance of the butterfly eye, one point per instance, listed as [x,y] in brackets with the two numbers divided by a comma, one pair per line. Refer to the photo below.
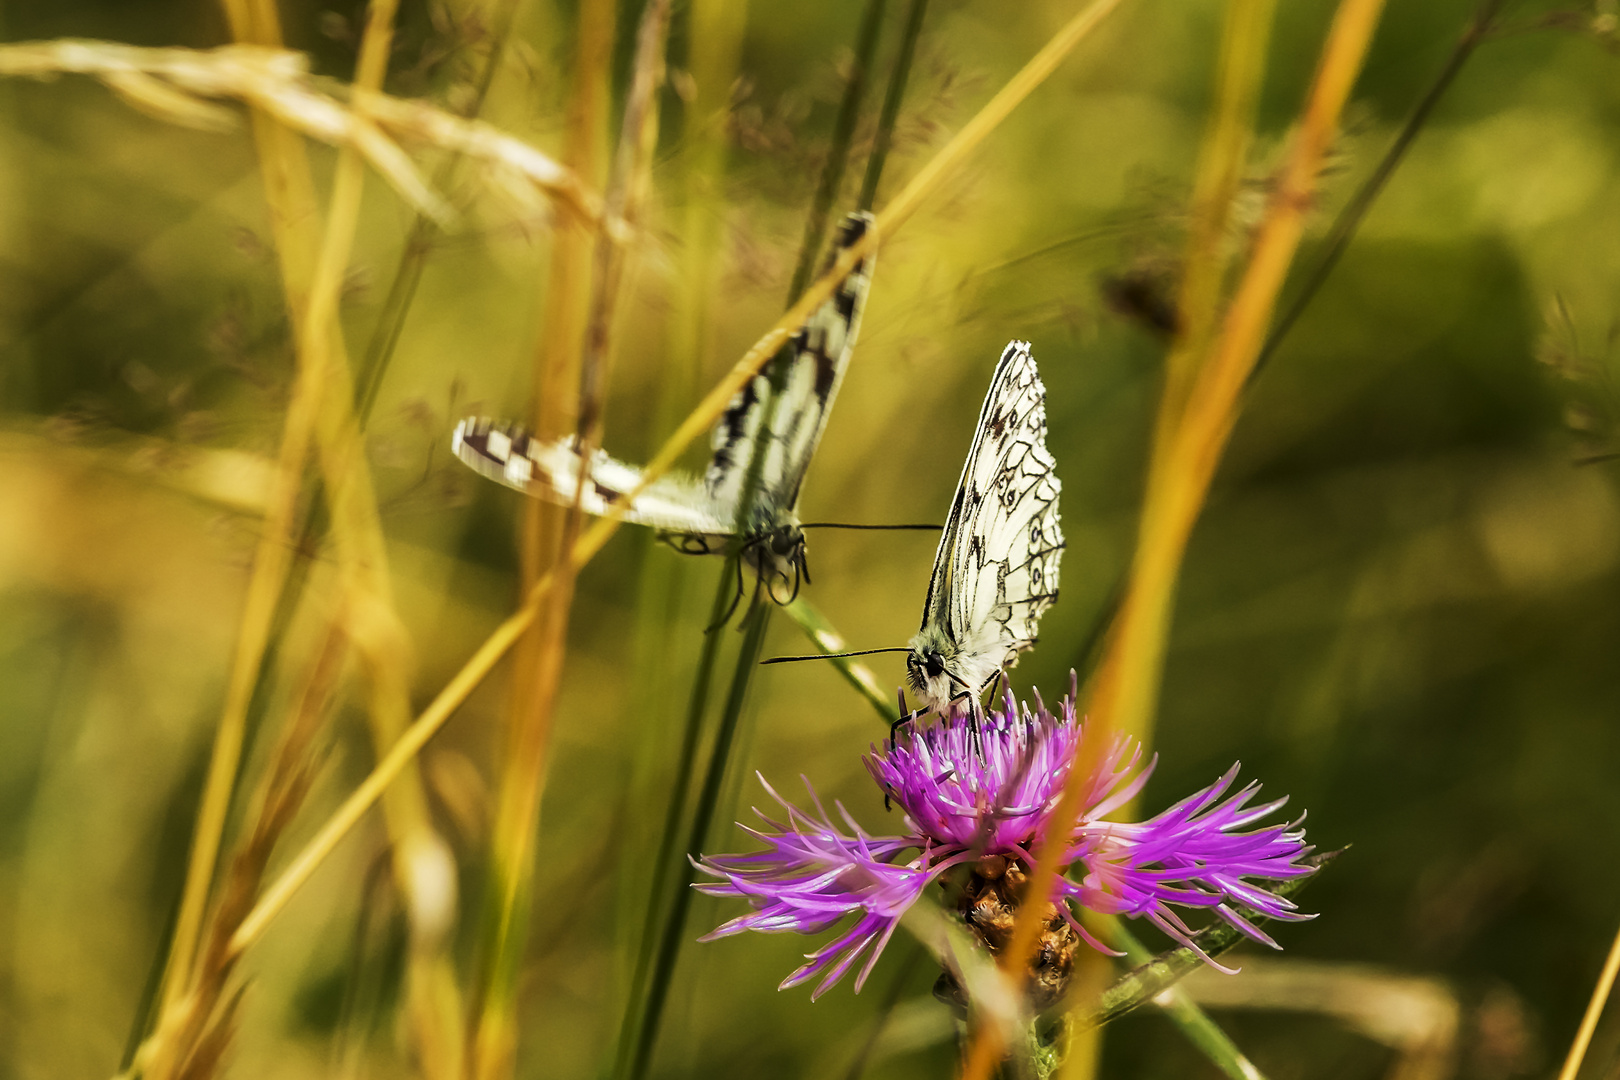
[933,664]
[785,540]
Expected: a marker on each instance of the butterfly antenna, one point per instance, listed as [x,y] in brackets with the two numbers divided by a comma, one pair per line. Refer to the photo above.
[845,525]
[828,655]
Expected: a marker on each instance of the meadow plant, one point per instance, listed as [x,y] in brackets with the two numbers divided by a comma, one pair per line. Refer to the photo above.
[1018,826]
[978,793]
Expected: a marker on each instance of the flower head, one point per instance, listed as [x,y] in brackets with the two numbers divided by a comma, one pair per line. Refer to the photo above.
[983,799]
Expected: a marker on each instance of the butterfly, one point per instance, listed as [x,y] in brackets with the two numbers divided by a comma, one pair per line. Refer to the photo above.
[996,570]
[698,516]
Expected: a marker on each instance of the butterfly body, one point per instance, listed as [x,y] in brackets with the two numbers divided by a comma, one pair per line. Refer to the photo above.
[996,570]
[782,411]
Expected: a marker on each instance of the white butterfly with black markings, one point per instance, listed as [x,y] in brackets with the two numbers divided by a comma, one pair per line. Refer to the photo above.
[699,516]
[996,570]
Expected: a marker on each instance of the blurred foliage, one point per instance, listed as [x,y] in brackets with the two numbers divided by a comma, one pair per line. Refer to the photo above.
[1399,608]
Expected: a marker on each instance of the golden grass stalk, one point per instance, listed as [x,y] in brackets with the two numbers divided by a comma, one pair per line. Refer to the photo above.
[264,588]
[562,331]
[1594,1010]
[194,1033]
[1127,683]
[174,85]
[1241,68]
[562,326]
[313,280]
[423,866]
[696,424]
[517,820]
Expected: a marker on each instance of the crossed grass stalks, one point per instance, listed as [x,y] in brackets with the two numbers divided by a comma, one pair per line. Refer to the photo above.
[194,1013]
[1213,356]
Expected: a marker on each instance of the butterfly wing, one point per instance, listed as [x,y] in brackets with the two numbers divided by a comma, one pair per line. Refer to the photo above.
[815,362]
[550,470]
[996,570]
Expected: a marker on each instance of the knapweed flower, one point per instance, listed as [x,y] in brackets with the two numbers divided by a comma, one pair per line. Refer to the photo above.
[982,800]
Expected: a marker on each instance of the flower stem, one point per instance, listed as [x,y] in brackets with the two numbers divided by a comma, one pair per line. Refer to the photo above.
[1186,1014]
[825,638]
[755,624]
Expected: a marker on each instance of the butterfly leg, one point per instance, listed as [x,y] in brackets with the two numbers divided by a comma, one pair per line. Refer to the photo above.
[736,599]
[771,585]
[906,718]
[973,720]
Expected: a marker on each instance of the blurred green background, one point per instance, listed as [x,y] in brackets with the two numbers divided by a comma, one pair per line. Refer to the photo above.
[1400,607]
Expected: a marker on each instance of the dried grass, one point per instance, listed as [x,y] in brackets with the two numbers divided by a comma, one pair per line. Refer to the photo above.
[181,85]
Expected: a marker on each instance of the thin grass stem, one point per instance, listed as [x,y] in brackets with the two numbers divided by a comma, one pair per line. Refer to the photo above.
[655,963]
[666,853]
[1185,1013]
[1240,71]
[270,565]
[1349,219]
[898,75]
[714,32]
[755,625]
[1594,1010]
[313,272]
[641,1025]
[832,175]
[419,240]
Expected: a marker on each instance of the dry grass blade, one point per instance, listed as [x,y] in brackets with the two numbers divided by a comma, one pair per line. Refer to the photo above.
[695,425]
[174,83]
[423,866]
[194,1032]
[264,588]
[1594,1010]
[1128,679]
[312,269]
[1220,171]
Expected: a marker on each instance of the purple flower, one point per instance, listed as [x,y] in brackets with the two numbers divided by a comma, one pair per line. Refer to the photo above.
[983,801]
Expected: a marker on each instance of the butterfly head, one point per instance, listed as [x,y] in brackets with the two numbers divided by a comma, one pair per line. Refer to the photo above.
[929,672]
[776,551]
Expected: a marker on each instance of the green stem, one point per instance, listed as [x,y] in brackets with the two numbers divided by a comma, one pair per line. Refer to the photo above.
[1150,979]
[639,1029]
[665,854]
[828,641]
[755,624]
[891,104]
[1185,1013]
[1349,220]
[832,176]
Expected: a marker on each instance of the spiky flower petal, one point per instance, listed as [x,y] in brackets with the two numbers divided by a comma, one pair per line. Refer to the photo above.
[986,797]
